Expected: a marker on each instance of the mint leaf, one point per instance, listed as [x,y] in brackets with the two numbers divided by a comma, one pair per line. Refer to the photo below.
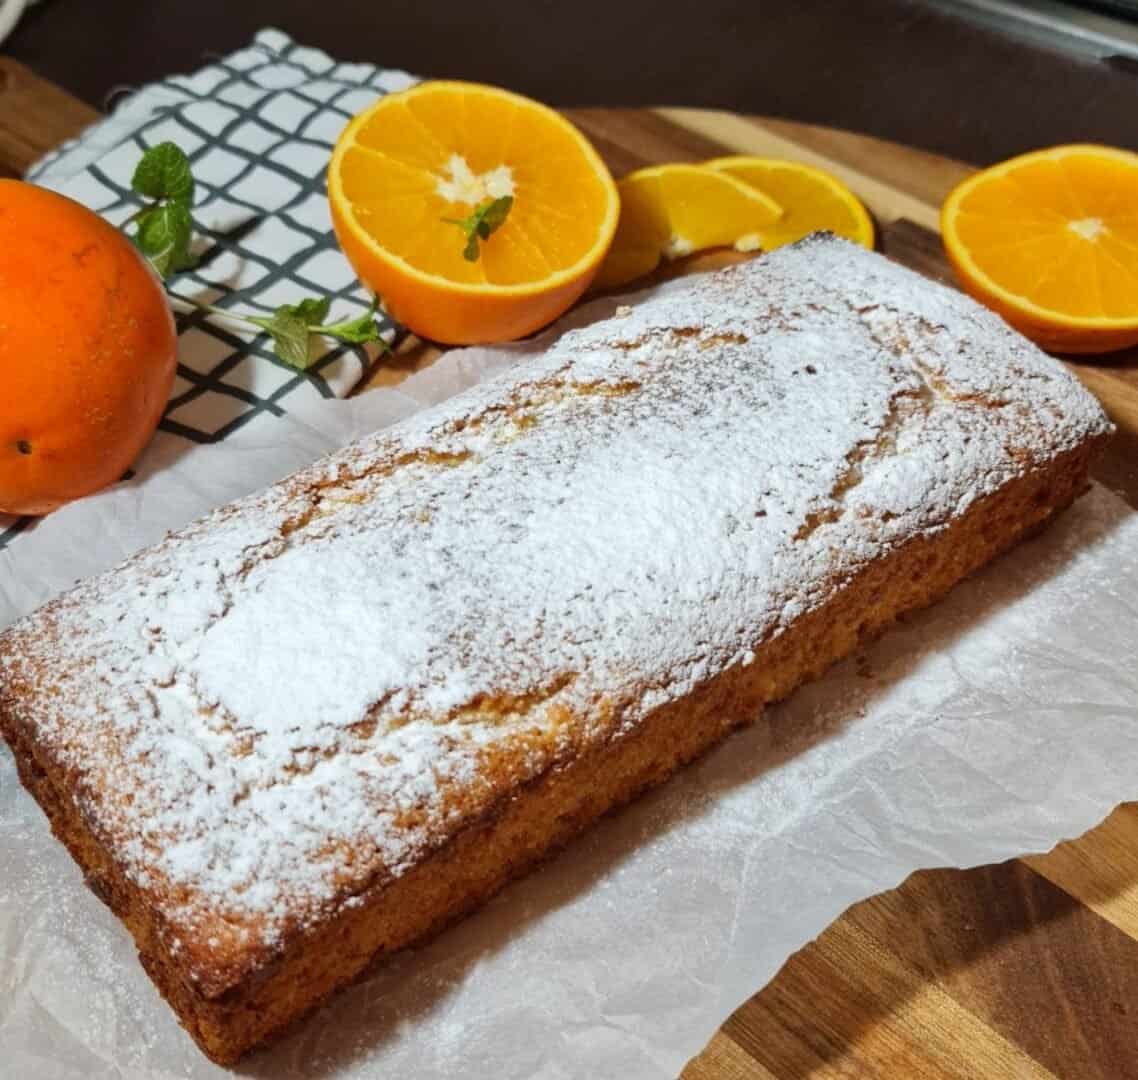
[313,309]
[357,331]
[493,215]
[289,331]
[164,173]
[482,223]
[163,236]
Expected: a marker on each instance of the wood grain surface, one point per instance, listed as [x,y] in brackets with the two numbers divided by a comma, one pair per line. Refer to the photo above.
[1025,969]
[35,117]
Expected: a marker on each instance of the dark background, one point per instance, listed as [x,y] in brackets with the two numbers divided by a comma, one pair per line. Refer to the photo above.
[908,70]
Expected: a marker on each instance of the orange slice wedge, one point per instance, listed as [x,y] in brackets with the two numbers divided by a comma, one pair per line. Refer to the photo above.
[812,200]
[414,163]
[674,210]
[1050,241]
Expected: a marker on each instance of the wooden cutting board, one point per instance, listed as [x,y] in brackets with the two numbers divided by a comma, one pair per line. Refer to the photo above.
[1028,968]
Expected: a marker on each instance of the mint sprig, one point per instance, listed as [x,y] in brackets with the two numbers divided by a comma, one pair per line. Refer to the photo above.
[482,224]
[293,326]
[164,231]
[165,226]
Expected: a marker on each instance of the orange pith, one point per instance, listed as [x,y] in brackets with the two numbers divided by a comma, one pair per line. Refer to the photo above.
[1050,241]
[87,350]
[387,190]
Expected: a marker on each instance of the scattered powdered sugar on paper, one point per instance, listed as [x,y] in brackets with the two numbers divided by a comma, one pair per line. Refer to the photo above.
[340,672]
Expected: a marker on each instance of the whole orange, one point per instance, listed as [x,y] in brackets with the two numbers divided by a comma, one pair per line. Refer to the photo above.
[87,350]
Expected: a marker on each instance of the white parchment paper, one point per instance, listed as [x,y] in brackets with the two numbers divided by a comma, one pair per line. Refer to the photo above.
[998,723]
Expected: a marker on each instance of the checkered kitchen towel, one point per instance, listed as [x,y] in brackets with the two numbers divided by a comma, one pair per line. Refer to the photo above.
[258,127]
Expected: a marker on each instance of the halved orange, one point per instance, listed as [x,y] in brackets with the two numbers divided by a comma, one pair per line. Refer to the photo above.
[1050,241]
[443,150]
[812,200]
[674,210]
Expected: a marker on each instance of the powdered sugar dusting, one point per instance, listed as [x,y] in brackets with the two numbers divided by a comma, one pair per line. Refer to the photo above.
[308,690]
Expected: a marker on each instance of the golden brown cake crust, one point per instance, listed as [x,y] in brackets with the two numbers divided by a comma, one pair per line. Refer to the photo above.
[564,585]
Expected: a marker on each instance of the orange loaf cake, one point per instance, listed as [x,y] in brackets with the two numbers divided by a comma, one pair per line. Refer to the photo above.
[328,719]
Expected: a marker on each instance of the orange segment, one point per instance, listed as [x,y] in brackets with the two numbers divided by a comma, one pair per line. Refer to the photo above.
[1050,241]
[812,200]
[443,150]
[673,210]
